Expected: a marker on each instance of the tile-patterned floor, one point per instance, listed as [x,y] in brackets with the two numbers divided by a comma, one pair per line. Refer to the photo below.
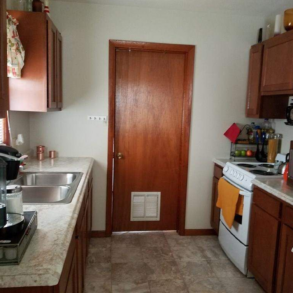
[162,262]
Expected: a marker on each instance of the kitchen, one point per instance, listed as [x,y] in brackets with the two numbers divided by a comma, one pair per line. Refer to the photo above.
[222,35]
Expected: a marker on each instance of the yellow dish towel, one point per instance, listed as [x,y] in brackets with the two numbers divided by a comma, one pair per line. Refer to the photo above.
[229,201]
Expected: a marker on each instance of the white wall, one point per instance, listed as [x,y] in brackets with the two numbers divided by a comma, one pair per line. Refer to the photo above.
[221,65]
[19,123]
[287,132]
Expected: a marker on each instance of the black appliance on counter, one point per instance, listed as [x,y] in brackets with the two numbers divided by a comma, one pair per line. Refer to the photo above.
[11,157]
[16,227]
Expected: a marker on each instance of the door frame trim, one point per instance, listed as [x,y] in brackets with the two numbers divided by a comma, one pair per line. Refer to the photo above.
[189,51]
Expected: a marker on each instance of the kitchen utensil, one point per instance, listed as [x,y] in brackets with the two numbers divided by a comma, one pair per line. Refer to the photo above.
[11,161]
[285,175]
[40,152]
[263,154]
[272,148]
[282,165]
[52,154]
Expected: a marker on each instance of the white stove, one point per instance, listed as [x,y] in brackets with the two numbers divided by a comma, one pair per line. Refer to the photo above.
[242,173]
[235,240]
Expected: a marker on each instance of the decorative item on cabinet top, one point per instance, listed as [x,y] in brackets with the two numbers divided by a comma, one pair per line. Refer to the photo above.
[288,19]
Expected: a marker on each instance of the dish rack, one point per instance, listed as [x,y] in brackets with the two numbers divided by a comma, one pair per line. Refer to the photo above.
[243,145]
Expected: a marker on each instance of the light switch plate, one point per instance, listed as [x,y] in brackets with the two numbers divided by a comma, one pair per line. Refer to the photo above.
[97,118]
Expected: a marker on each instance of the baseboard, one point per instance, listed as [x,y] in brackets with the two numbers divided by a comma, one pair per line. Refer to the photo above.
[98,234]
[199,232]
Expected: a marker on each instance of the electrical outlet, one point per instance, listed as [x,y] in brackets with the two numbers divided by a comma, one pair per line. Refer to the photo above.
[97,118]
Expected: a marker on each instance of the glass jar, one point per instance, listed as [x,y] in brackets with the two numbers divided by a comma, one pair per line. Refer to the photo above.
[288,19]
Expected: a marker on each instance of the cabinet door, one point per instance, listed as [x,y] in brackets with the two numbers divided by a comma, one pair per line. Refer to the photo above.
[52,65]
[215,212]
[79,264]
[72,278]
[285,269]
[263,238]
[59,91]
[3,62]
[84,244]
[278,64]
[254,80]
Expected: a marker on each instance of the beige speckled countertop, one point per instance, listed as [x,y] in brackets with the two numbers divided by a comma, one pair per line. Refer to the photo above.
[43,261]
[274,186]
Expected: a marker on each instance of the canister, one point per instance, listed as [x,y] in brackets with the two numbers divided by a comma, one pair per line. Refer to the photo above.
[14,204]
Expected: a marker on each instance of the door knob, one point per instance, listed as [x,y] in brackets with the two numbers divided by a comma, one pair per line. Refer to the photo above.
[119,156]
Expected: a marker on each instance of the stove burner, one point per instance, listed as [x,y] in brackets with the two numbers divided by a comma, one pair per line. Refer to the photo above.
[261,172]
[267,165]
[246,165]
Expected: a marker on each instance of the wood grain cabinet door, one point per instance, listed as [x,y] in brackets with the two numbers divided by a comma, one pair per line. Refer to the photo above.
[285,269]
[215,212]
[3,62]
[254,80]
[72,286]
[52,65]
[59,92]
[278,64]
[263,239]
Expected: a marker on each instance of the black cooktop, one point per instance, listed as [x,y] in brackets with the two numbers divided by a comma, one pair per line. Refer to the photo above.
[266,165]
[262,172]
[246,165]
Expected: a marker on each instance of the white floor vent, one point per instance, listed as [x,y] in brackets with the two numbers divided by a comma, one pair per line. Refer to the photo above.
[145,206]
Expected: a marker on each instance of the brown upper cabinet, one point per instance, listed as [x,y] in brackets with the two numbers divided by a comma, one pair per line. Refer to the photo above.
[4,104]
[254,77]
[40,87]
[270,79]
[277,73]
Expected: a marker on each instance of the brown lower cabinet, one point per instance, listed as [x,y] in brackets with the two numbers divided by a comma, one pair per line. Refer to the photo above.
[270,257]
[73,274]
[215,211]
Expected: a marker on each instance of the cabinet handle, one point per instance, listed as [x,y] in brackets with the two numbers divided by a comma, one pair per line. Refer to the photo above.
[292,250]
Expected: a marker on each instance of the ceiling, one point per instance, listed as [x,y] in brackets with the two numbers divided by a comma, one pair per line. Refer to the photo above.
[264,7]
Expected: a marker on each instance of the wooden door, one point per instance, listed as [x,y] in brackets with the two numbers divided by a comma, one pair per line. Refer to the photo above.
[254,80]
[285,269]
[3,62]
[52,65]
[59,92]
[278,64]
[263,241]
[215,213]
[148,124]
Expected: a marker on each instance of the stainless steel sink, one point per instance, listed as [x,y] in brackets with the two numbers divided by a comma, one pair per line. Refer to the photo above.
[46,179]
[48,188]
[45,194]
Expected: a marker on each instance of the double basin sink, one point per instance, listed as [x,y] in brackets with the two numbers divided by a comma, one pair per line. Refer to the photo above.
[48,188]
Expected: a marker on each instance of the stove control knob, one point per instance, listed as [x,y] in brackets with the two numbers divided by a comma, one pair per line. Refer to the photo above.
[238,175]
[226,169]
[241,177]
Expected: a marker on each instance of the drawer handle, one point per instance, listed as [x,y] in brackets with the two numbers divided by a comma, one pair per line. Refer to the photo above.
[292,250]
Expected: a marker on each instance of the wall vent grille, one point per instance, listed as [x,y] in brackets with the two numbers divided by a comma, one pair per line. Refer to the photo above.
[145,206]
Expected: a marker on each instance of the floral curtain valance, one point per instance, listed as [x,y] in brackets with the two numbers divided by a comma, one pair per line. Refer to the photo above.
[15,50]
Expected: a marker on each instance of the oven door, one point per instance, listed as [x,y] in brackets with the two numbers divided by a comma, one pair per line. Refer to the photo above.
[240,229]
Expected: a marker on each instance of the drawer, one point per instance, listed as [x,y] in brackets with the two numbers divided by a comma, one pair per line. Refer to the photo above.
[288,215]
[218,171]
[267,202]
